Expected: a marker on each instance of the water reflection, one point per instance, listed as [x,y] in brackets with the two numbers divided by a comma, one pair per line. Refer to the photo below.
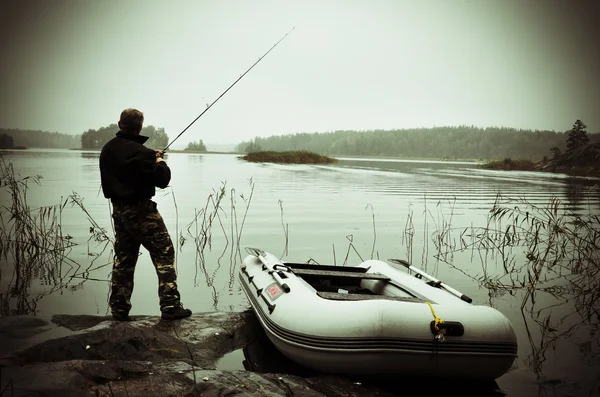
[33,248]
[95,155]
[582,192]
[473,187]
[263,357]
[209,219]
[549,260]
[422,207]
[195,158]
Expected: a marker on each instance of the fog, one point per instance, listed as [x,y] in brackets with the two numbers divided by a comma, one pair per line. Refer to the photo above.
[68,66]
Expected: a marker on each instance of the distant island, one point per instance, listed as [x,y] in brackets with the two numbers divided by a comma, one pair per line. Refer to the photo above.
[288,157]
[499,148]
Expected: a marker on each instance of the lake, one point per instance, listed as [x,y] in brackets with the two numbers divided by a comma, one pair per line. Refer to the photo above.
[435,214]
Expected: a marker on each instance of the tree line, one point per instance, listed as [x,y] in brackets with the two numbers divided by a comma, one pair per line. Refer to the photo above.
[196,146]
[90,139]
[7,142]
[13,137]
[95,139]
[450,142]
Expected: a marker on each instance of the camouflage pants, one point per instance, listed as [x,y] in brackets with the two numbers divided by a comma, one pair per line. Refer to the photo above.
[141,225]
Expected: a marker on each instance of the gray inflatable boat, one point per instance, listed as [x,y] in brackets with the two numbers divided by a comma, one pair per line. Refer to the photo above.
[375,319]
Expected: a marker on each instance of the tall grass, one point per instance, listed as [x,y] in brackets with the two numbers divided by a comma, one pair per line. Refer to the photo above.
[549,259]
[547,248]
[32,245]
[200,231]
[34,251]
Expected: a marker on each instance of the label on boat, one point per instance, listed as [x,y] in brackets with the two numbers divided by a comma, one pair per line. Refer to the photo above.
[274,291]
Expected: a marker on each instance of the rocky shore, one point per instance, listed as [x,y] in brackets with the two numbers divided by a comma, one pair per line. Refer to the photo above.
[96,356]
[583,161]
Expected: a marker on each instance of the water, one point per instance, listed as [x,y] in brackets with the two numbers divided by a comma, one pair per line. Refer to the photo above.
[356,209]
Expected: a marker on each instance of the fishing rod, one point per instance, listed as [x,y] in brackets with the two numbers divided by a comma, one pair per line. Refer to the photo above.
[224,92]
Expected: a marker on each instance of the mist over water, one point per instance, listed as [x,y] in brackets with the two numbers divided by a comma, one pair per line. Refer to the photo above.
[389,64]
[353,210]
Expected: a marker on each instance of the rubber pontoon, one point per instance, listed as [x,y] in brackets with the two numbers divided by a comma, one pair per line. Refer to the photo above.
[374,319]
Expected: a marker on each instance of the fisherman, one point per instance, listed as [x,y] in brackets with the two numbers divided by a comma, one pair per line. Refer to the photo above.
[129,173]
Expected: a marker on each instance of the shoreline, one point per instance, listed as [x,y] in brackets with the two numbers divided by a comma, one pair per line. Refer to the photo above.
[532,166]
[349,156]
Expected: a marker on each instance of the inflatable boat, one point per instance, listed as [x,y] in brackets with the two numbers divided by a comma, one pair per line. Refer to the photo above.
[382,318]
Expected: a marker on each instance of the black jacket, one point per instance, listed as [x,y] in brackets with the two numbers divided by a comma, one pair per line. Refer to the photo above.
[128,170]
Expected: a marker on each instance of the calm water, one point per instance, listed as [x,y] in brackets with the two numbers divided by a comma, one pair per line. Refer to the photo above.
[358,208]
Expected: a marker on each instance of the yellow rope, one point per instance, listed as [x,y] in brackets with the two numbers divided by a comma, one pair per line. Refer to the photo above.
[437,319]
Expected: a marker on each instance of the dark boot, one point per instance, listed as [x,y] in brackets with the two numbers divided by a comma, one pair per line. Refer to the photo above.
[175,313]
[120,316]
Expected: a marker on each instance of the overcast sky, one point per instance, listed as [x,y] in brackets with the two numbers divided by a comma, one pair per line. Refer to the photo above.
[72,65]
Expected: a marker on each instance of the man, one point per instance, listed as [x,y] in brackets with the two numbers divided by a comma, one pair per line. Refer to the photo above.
[129,173]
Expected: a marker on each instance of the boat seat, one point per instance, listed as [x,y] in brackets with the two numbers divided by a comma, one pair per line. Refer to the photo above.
[338,274]
[360,297]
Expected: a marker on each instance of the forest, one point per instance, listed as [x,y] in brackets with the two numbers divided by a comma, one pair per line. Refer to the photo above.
[95,139]
[447,143]
[12,137]
[459,142]
[90,139]
[196,146]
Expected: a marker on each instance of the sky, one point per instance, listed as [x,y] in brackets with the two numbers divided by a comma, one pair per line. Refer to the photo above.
[72,65]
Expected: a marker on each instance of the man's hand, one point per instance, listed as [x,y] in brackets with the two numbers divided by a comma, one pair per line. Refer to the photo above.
[160,154]
[159,160]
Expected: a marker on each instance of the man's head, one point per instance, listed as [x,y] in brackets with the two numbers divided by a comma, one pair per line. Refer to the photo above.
[131,121]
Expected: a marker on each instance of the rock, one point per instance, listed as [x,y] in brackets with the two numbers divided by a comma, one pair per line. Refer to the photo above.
[76,323]
[21,326]
[583,161]
[199,340]
[96,356]
[19,331]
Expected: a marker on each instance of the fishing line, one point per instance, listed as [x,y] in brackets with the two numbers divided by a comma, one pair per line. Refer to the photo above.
[224,92]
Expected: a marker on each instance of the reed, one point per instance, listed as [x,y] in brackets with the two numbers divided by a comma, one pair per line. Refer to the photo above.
[200,231]
[32,245]
[34,248]
[549,258]
[541,248]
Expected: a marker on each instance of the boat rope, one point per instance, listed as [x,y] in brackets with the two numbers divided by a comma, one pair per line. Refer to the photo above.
[440,332]
[437,319]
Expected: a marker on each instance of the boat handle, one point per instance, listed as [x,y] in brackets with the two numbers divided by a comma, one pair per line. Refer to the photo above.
[451,328]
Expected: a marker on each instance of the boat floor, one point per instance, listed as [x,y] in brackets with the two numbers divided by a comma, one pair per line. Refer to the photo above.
[343,283]
[340,274]
[361,297]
